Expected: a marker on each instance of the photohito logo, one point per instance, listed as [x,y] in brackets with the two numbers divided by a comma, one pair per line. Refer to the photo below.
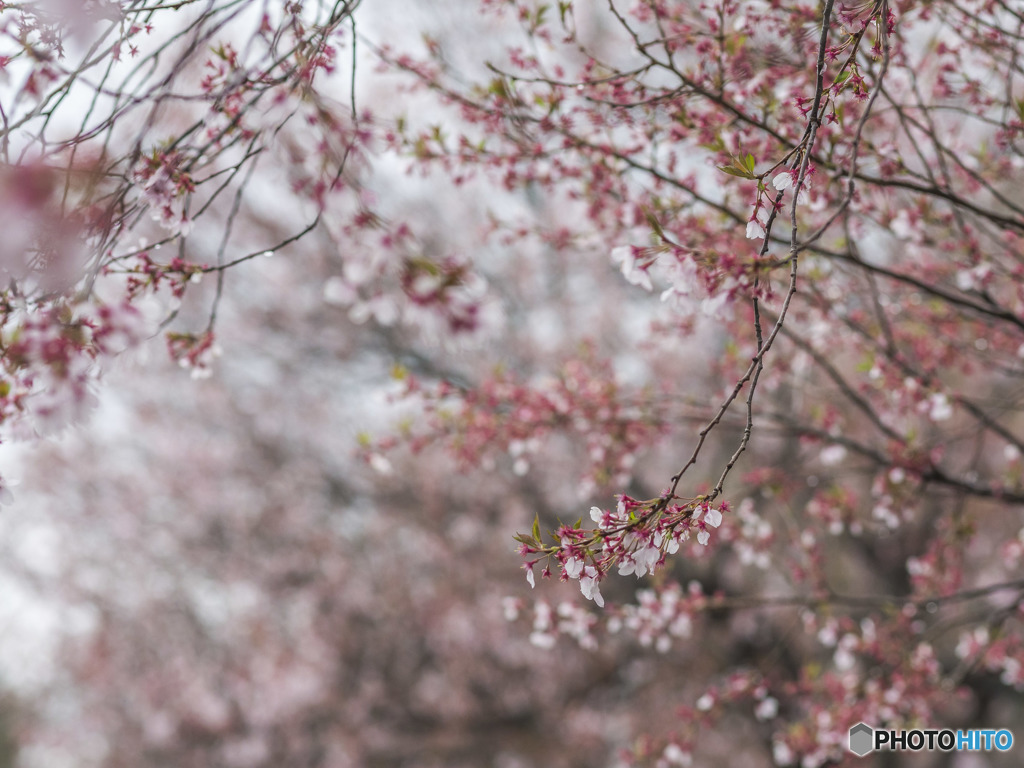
[865,739]
[861,740]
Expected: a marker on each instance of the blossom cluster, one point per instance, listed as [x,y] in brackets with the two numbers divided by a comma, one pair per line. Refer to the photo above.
[505,417]
[882,674]
[445,300]
[146,275]
[165,186]
[999,653]
[636,537]
[661,615]
[194,352]
[51,359]
[567,619]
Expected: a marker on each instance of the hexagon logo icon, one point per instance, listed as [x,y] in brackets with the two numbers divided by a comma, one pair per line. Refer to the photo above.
[862,738]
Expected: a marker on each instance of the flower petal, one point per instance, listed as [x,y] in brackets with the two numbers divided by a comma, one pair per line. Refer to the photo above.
[783,181]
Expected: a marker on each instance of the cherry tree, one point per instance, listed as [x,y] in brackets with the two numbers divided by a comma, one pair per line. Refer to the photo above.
[716,307]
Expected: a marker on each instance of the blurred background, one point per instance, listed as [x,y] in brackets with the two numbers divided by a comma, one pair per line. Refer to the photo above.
[295,547]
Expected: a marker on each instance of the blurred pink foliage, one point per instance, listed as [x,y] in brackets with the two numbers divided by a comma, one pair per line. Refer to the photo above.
[714,311]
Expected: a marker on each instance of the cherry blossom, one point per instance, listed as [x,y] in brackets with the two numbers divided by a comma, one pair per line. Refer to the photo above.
[399,249]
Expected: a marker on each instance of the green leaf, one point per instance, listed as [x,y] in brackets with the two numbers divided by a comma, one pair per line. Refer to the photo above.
[536,527]
[499,87]
[743,173]
[653,221]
